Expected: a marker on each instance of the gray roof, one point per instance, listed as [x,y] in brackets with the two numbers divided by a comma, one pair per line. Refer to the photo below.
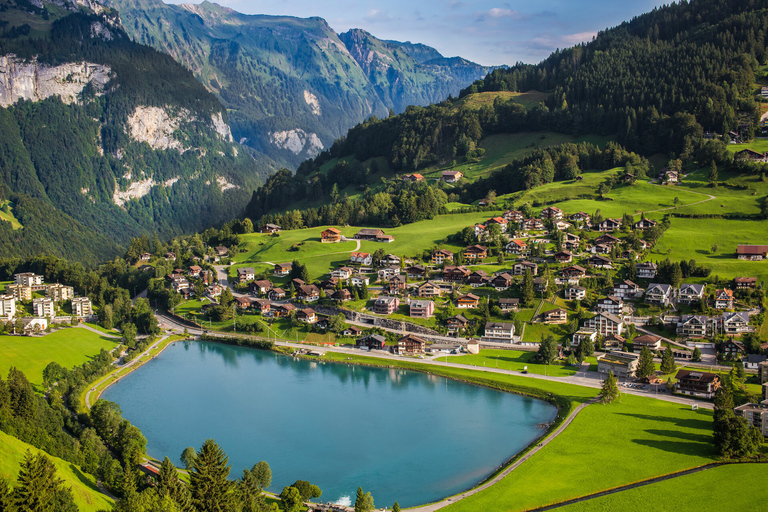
[500,325]
[697,289]
[665,288]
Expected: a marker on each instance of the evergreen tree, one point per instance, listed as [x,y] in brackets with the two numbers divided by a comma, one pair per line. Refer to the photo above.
[290,499]
[39,489]
[188,457]
[677,275]
[208,479]
[6,498]
[610,389]
[645,366]
[396,507]
[528,292]
[263,474]
[363,502]
[547,349]
[667,361]
[733,436]
[696,355]
[585,349]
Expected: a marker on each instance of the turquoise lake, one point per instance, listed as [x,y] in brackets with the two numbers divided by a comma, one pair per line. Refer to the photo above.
[404,436]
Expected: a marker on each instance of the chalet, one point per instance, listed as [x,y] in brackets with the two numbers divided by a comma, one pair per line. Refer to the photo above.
[330,235]
[608,240]
[583,335]
[605,324]
[283,310]
[671,176]
[601,249]
[611,304]
[751,155]
[384,305]
[507,305]
[733,348]
[563,257]
[613,342]
[629,254]
[371,342]
[623,365]
[451,176]
[532,225]
[480,230]
[571,242]
[478,278]
[306,315]
[742,283]
[600,261]
[499,332]
[244,274]
[514,216]
[270,228]
[411,345]
[194,271]
[180,283]
[626,290]
[413,177]
[552,212]
[561,225]
[145,257]
[629,178]
[516,246]
[467,301]
[581,217]
[296,282]
[342,273]
[555,316]
[476,252]
[421,309]
[390,260]
[690,293]
[575,292]
[734,324]
[243,302]
[455,274]
[308,293]
[752,252]
[500,221]
[360,281]
[696,383]
[752,361]
[416,271]
[645,224]
[658,293]
[398,284]
[342,295]
[282,269]
[521,266]
[352,331]
[276,294]
[429,289]
[361,258]
[609,225]
[724,299]
[212,291]
[456,323]
[574,271]
[385,274]
[369,234]
[694,326]
[646,270]
[221,251]
[261,305]
[540,284]
[647,340]
[502,281]
[440,256]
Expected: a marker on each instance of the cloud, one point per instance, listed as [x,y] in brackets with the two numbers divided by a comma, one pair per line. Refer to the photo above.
[455,4]
[550,42]
[377,16]
[498,12]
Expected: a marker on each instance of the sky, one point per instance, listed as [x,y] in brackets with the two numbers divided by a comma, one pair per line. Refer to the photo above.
[486,32]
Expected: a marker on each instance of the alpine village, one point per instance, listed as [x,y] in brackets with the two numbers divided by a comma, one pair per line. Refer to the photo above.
[250,264]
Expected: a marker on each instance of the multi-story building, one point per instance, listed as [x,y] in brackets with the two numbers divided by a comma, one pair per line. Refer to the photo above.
[611,304]
[605,324]
[19,291]
[384,305]
[411,345]
[696,383]
[499,332]
[622,364]
[646,270]
[81,306]
[59,292]
[28,279]
[44,307]
[7,306]
[658,293]
[422,308]
[689,293]
[755,414]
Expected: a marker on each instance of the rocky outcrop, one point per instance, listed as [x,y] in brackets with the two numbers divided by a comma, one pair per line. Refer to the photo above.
[155,126]
[30,80]
[221,127]
[297,141]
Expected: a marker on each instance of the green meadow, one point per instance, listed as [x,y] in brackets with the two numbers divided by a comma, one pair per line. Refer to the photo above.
[514,360]
[69,347]
[87,496]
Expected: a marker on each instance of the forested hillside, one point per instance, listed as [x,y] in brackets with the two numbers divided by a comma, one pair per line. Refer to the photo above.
[620,84]
[292,85]
[105,139]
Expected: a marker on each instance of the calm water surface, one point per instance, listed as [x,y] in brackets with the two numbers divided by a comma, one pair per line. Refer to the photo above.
[401,435]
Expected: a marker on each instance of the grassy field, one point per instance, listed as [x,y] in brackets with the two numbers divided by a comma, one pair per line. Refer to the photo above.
[606,446]
[680,493]
[6,214]
[86,494]
[68,347]
[483,99]
[513,360]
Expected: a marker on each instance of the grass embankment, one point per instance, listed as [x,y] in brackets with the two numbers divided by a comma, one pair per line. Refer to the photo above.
[683,492]
[516,360]
[117,374]
[606,446]
[87,495]
[6,214]
[70,346]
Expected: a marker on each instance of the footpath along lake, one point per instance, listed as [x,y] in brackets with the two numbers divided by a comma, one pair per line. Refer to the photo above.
[401,435]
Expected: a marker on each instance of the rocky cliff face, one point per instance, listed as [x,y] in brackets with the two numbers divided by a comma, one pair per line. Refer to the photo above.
[156,127]
[34,81]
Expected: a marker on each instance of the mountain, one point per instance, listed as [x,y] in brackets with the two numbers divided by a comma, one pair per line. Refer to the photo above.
[105,139]
[292,85]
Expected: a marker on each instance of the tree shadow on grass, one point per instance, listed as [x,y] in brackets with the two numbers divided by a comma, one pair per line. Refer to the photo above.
[703,422]
[83,478]
[694,449]
[705,438]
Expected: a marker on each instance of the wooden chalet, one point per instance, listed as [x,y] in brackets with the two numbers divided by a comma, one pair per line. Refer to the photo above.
[270,228]
[467,301]
[476,252]
[411,345]
[330,235]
